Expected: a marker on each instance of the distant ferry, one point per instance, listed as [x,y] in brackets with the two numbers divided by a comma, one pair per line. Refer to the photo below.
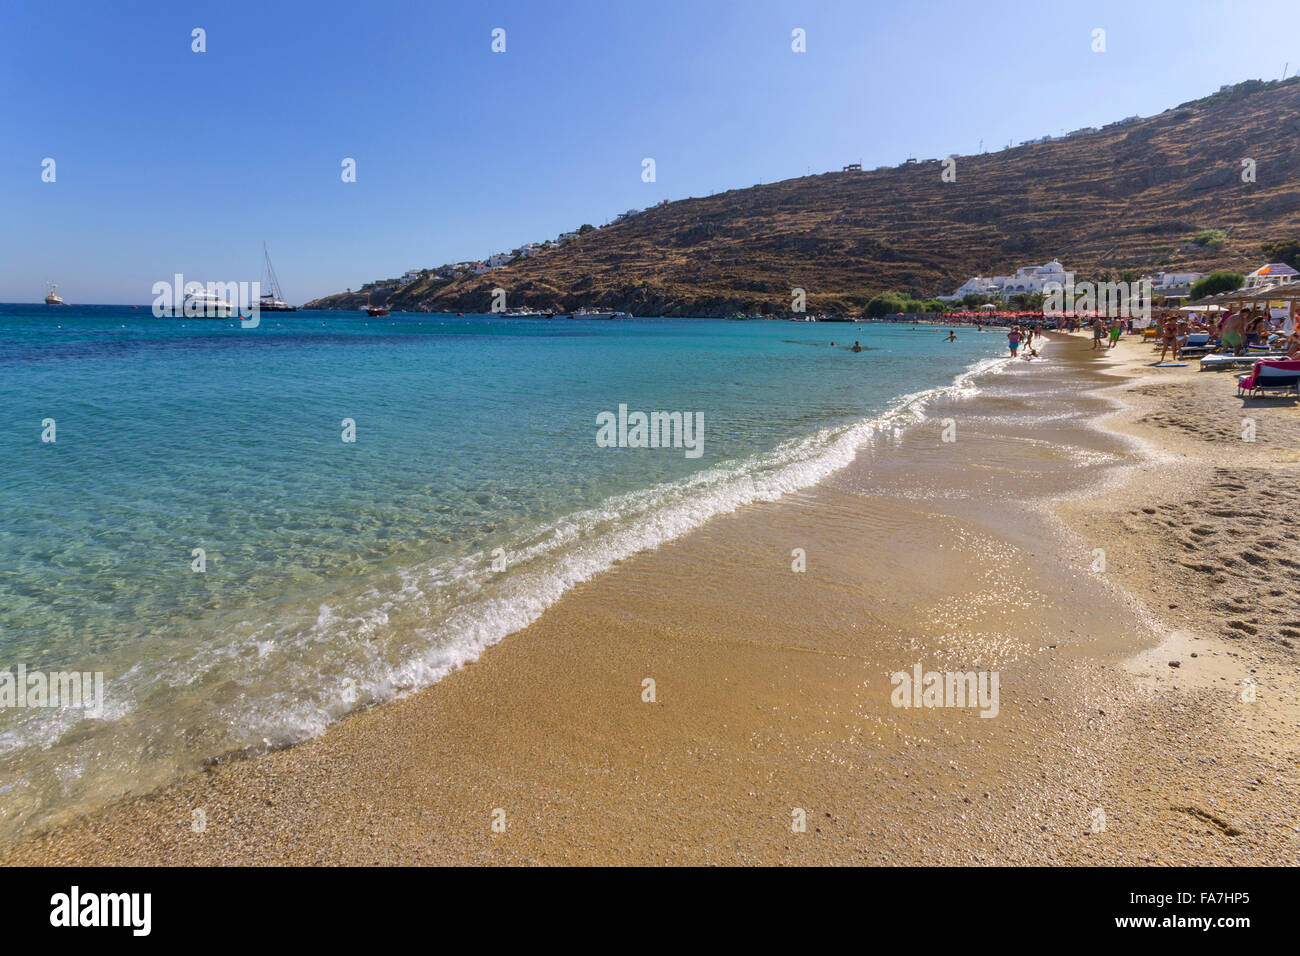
[375,311]
[53,298]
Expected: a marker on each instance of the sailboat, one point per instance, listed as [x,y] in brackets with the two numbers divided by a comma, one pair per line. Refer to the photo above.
[273,301]
[53,298]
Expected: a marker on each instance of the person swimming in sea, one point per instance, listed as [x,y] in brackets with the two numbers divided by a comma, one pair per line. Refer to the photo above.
[857,347]
[952,336]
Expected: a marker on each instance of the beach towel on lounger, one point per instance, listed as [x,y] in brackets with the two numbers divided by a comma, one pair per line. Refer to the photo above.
[1274,374]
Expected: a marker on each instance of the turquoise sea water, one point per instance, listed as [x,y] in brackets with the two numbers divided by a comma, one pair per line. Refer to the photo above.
[343,573]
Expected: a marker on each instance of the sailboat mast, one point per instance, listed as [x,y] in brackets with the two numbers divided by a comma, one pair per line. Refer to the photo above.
[271,277]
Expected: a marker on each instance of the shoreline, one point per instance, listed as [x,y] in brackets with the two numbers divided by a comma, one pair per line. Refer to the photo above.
[772,686]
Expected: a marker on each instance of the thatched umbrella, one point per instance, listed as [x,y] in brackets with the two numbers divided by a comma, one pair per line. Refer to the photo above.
[1285,292]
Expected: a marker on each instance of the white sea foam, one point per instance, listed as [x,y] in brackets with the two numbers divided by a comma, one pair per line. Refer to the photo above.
[560,555]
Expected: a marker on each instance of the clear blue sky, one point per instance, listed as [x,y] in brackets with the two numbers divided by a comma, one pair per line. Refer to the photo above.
[169,160]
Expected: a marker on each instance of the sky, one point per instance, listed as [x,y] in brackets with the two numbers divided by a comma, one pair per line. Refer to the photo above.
[168,160]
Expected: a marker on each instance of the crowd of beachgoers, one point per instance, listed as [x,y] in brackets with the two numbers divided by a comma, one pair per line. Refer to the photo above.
[1233,333]
[1251,338]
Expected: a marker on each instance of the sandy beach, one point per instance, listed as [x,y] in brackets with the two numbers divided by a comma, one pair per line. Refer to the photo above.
[1094,530]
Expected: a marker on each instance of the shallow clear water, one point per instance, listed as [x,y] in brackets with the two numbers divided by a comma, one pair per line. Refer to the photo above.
[339,574]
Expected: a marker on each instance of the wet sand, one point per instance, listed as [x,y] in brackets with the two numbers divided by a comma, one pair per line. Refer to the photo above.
[772,690]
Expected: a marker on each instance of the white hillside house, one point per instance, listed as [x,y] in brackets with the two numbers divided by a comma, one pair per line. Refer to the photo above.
[1173,280]
[1275,273]
[1029,279]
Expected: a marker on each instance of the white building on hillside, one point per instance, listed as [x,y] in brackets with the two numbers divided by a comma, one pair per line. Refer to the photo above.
[976,285]
[1275,273]
[1170,280]
[1028,279]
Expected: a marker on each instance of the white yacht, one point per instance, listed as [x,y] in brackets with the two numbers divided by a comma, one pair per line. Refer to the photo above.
[205,305]
[599,314]
[53,298]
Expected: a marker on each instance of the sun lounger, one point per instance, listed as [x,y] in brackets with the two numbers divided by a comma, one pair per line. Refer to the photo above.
[1197,343]
[1230,361]
[1274,376]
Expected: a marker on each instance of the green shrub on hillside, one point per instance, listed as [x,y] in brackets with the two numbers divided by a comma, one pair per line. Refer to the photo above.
[1215,283]
[1284,250]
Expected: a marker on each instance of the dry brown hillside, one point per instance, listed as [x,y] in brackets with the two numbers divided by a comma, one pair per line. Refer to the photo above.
[1130,196]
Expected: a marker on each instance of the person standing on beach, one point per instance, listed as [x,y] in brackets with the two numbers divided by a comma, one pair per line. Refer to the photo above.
[1115,331]
[1098,330]
[1013,340]
[1169,339]
[1232,332]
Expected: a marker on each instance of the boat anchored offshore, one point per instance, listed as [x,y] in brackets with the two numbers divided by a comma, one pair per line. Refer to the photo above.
[53,298]
[599,314]
[205,305]
[273,301]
